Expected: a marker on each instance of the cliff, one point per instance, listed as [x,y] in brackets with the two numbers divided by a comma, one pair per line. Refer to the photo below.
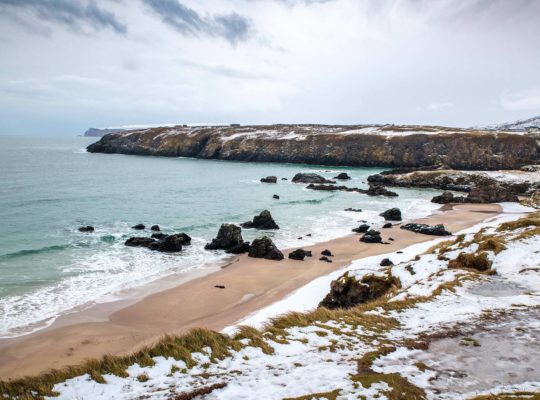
[99,132]
[360,145]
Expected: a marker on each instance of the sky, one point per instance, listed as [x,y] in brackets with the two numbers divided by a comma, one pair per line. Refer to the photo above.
[68,65]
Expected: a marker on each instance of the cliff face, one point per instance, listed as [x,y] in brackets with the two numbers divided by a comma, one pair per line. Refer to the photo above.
[368,146]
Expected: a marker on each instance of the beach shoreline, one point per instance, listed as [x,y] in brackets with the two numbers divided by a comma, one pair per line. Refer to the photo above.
[250,285]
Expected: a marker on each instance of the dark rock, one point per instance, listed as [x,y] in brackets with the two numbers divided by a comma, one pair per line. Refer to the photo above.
[342,176]
[299,254]
[137,241]
[393,214]
[391,239]
[139,227]
[86,228]
[173,243]
[327,253]
[386,262]
[325,188]
[158,236]
[353,209]
[361,229]
[371,236]
[265,248]
[219,286]
[387,225]
[324,258]
[435,230]
[349,291]
[239,249]
[229,237]
[300,238]
[379,190]
[310,178]
[308,234]
[445,198]
[155,228]
[275,197]
[262,221]
[269,179]
[284,179]
[494,193]
[399,252]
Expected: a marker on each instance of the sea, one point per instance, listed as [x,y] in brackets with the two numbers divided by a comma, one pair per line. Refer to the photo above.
[50,186]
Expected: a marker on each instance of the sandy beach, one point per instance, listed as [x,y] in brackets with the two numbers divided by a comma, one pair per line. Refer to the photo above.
[250,284]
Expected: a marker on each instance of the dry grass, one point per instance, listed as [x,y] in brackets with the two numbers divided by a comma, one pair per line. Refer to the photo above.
[199,392]
[471,261]
[525,222]
[494,244]
[509,396]
[315,396]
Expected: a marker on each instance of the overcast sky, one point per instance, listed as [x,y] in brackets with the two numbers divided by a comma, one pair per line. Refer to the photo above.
[69,65]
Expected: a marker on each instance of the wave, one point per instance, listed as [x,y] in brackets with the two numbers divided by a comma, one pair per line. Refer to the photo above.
[46,249]
[309,201]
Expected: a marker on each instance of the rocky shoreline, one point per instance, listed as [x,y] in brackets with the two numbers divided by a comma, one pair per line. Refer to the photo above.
[345,145]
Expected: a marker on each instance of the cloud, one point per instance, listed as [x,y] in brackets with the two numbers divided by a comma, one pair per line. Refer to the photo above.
[68,13]
[232,27]
[436,106]
[521,100]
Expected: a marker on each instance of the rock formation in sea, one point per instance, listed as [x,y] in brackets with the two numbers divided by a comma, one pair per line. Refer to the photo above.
[229,238]
[262,221]
[265,248]
[359,145]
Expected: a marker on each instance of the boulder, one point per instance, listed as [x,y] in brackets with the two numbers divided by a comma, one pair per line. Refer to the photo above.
[138,227]
[138,241]
[386,262]
[348,291]
[393,214]
[155,228]
[342,176]
[275,197]
[229,236]
[494,193]
[325,258]
[310,178]
[387,225]
[435,230]
[371,236]
[327,253]
[262,221]
[239,249]
[172,243]
[265,248]
[361,229]
[353,209]
[269,179]
[379,190]
[86,228]
[299,254]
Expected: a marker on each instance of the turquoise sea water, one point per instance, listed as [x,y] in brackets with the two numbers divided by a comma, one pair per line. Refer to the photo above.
[51,186]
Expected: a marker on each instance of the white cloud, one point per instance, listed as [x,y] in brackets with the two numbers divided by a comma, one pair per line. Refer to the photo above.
[526,100]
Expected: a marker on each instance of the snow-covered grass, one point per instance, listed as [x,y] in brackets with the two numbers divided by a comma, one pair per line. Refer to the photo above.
[368,351]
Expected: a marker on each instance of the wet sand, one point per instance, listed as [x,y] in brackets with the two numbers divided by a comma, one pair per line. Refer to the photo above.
[250,284]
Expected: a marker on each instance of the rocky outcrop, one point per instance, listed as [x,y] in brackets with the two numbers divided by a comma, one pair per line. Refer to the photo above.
[299,254]
[435,230]
[155,228]
[166,244]
[262,221]
[374,189]
[379,190]
[447,197]
[493,193]
[138,227]
[86,229]
[265,248]
[269,179]
[342,176]
[310,178]
[348,291]
[361,229]
[393,214]
[360,145]
[229,238]
[371,236]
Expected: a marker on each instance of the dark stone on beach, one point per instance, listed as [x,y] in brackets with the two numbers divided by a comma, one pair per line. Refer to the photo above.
[137,241]
[139,227]
[265,248]
[391,239]
[275,197]
[393,214]
[284,179]
[308,234]
[86,228]
[379,190]
[361,229]
[269,179]
[435,230]
[219,286]
[229,236]
[445,198]
[348,291]
[327,253]
[342,176]
[324,258]
[300,238]
[399,252]
[310,178]
[158,235]
[387,225]
[371,236]
[299,254]
[494,193]
[353,209]
[386,262]
[155,228]
[240,249]
[262,221]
